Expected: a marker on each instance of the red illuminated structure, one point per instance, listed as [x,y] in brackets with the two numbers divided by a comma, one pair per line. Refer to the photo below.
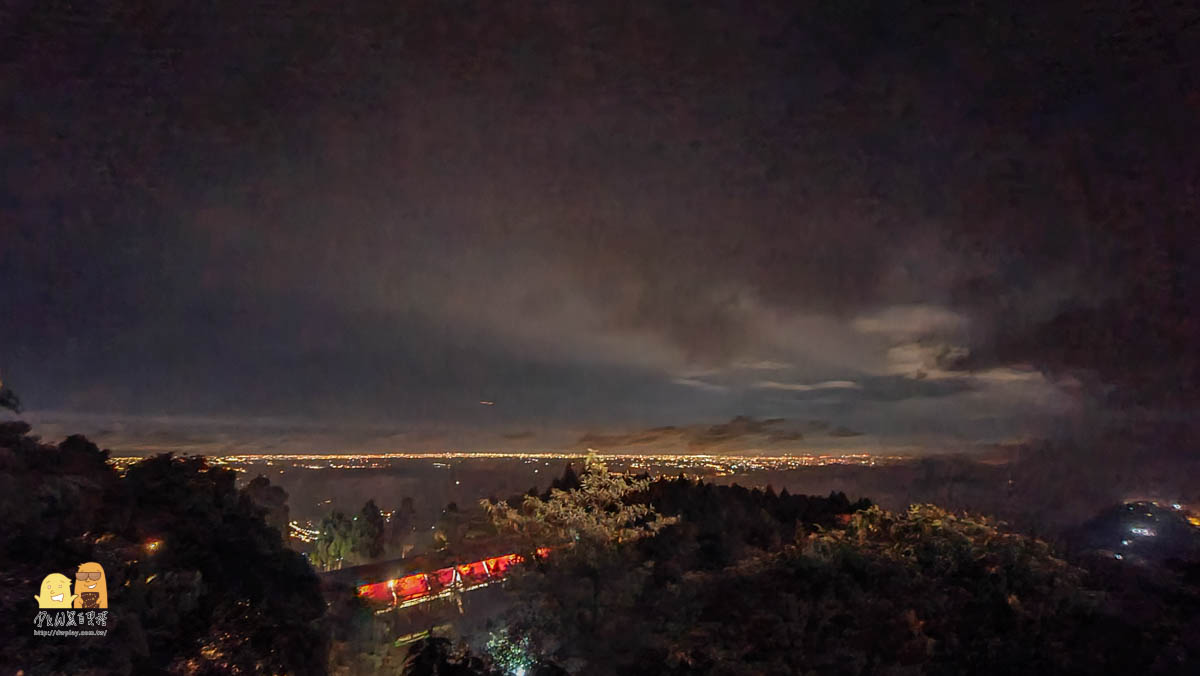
[417,588]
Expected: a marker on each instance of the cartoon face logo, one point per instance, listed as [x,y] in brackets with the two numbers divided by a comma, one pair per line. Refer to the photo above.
[56,592]
[91,588]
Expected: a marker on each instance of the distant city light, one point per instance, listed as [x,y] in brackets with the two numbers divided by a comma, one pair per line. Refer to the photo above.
[1138,530]
[1124,542]
[1176,505]
[717,464]
[301,533]
[1118,556]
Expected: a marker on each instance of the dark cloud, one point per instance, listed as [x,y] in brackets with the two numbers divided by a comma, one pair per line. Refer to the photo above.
[893,388]
[1139,350]
[739,433]
[738,427]
[378,212]
[844,432]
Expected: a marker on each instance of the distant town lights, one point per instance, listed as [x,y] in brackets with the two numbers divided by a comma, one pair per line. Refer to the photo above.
[681,460]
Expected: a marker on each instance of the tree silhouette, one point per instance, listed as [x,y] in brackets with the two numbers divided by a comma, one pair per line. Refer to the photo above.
[597,512]
[201,583]
[369,532]
[9,399]
[272,500]
[335,541]
[435,656]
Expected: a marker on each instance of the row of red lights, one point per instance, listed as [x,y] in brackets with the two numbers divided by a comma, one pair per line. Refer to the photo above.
[419,585]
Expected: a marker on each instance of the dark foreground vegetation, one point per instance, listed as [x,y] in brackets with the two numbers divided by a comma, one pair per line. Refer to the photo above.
[647,577]
[197,580]
[750,582]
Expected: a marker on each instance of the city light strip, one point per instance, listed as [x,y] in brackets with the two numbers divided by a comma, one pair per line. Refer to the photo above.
[716,462]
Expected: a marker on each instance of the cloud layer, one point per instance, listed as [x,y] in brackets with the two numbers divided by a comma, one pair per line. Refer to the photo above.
[601,216]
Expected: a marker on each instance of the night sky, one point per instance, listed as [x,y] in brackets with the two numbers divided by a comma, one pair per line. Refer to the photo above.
[297,225]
